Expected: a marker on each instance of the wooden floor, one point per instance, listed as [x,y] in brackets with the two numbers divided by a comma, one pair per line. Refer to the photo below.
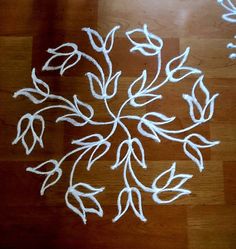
[204,220]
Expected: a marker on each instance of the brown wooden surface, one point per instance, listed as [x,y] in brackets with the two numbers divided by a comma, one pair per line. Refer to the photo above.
[204,220]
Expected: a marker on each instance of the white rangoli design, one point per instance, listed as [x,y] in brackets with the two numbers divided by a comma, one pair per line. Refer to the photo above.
[230,16]
[150,125]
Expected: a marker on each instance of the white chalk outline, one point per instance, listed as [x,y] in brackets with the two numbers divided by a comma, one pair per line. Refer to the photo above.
[230,17]
[150,125]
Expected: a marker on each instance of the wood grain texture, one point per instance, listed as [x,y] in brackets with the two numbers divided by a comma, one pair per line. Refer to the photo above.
[204,220]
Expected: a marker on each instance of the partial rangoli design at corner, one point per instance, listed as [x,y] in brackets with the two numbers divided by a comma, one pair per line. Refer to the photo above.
[230,17]
[152,125]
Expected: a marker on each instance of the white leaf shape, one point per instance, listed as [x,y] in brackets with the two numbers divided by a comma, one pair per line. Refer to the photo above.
[93,158]
[95,39]
[42,169]
[94,84]
[147,97]
[141,161]
[119,161]
[78,118]
[49,181]
[157,118]
[75,192]
[195,147]
[141,80]
[97,141]
[153,45]
[130,193]
[141,92]
[198,113]
[110,39]
[170,173]
[130,143]
[89,140]
[230,17]
[30,120]
[148,125]
[58,52]
[230,7]
[180,67]
[113,81]
[38,94]
[147,129]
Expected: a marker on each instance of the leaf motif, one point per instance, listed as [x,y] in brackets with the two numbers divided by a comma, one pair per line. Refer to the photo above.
[129,202]
[153,45]
[78,103]
[138,211]
[121,210]
[230,17]
[73,119]
[209,106]
[30,119]
[195,107]
[86,141]
[152,131]
[119,161]
[203,142]
[95,82]
[48,182]
[41,89]
[230,7]
[96,141]
[141,79]
[97,41]
[198,159]
[57,53]
[79,195]
[93,35]
[170,173]
[42,169]
[113,81]
[180,67]
[110,39]
[94,158]
[141,92]
[150,98]
[130,152]
[227,4]
[152,126]
[160,118]
[77,118]
[141,161]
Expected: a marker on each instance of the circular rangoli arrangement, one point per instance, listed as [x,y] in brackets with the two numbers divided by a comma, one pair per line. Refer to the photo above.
[151,125]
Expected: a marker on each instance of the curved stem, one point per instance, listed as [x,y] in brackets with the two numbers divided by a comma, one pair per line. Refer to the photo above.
[166,80]
[69,154]
[53,107]
[158,70]
[108,60]
[140,184]
[96,64]
[126,182]
[227,7]
[116,118]
[171,138]
[181,130]
[57,97]
[74,166]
